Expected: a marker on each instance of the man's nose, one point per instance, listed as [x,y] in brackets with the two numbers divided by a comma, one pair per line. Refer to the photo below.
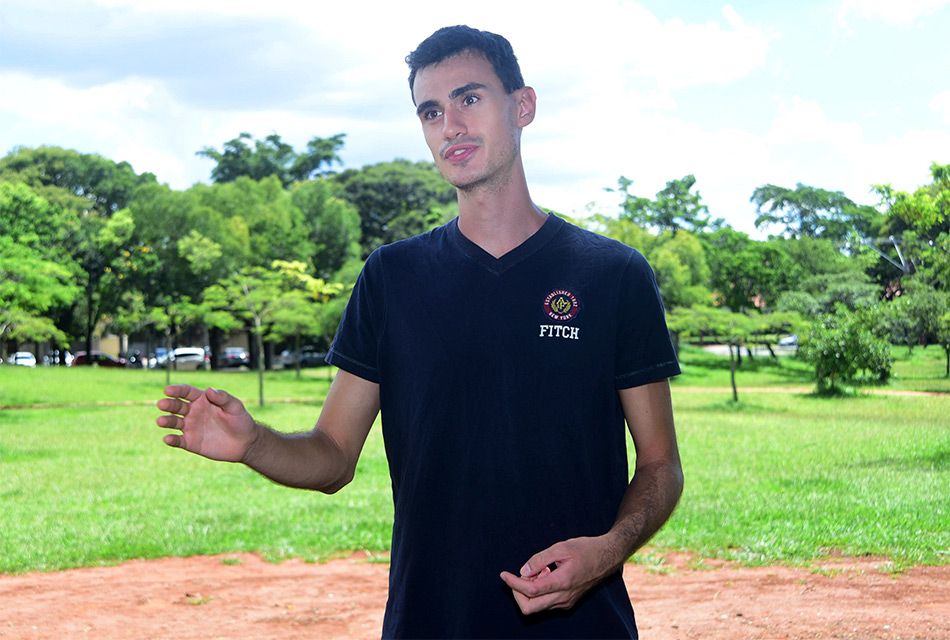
[453,124]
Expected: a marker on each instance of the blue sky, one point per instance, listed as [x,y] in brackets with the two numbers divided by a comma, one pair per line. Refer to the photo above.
[838,94]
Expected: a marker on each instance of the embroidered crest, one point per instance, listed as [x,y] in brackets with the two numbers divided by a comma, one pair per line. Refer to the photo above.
[561,305]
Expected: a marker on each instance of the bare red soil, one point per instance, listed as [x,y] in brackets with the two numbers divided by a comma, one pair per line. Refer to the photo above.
[244,597]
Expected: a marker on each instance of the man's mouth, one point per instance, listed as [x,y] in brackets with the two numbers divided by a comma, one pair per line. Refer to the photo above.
[459,152]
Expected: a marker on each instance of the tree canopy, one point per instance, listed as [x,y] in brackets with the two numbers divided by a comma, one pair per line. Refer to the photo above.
[246,157]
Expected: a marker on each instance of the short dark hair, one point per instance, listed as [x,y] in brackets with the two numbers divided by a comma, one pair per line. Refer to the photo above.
[451,41]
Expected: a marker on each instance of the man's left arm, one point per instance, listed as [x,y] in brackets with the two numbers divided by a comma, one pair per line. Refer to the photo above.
[580,563]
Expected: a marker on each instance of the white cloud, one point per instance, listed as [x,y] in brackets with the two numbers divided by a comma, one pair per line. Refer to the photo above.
[941,104]
[903,13]
[803,122]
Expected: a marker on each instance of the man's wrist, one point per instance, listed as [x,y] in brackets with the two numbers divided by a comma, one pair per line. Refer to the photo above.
[252,451]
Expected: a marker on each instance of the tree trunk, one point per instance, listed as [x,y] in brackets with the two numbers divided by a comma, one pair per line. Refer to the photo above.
[260,368]
[89,327]
[732,373]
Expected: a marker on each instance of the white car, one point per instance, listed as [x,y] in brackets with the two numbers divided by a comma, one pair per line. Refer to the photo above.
[22,358]
[190,359]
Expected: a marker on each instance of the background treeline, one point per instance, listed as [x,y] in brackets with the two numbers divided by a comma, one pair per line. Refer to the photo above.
[274,245]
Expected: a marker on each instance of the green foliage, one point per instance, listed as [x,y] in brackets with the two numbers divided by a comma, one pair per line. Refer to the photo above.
[275,303]
[677,259]
[29,287]
[742,271]
[396,200]
[31,220]
[332,224]
[264,213]
[926,213]
[812,212]
[272,157]
[844,343]
[674,208]
[103,185]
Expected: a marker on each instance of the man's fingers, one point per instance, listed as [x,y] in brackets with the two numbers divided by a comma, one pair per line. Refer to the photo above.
[542,560]
[183,391]
[172,441]
[168,422]
[532,587]
[218,397]
[543,602]
[174,405]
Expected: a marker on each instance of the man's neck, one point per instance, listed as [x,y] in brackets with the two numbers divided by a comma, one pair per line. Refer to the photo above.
[499,220]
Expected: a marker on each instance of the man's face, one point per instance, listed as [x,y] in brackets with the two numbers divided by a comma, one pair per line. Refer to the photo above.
[472,126]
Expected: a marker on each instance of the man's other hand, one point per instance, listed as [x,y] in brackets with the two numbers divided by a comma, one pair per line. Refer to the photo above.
[557,577]
[212,423]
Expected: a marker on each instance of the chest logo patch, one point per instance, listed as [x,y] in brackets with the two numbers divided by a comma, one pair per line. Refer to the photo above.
[561,305]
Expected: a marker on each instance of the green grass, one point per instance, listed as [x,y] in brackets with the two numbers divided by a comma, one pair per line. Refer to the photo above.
[82,487]
[777,477]
[80,385]
[794,477]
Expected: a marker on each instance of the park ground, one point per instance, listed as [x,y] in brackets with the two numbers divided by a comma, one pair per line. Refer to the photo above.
[244,597]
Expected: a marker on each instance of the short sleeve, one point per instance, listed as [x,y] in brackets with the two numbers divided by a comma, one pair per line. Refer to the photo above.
[644,351]
[355,347]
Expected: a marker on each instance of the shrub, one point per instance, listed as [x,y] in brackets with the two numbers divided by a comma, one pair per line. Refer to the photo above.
[844,343]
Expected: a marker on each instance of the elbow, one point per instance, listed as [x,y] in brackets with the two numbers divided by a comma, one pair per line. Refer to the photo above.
[344,479]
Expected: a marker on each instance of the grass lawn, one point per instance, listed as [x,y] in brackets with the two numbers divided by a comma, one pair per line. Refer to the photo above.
[777,477]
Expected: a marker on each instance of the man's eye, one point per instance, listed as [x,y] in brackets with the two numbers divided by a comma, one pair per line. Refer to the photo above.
[469,100]
[431,114]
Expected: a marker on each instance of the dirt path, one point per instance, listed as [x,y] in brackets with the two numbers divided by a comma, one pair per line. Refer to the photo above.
[244,597]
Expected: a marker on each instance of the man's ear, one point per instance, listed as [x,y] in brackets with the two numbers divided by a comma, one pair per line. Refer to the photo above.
[527,102]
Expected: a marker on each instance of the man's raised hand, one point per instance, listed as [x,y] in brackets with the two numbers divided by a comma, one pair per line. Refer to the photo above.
[212,423]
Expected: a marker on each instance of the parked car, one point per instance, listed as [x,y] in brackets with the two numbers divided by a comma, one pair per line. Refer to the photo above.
[789,341]
[22,358]
[190,359]
[309,357]
[97,358]
[57,357]
[234,357]
[158,358]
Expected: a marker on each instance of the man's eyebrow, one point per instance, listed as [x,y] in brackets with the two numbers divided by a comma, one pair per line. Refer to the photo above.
[471,86]
[428,104]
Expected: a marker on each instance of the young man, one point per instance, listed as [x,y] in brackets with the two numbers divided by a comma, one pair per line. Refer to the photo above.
[506,350]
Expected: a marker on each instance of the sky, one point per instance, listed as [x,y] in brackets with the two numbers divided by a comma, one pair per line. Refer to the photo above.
[836,94]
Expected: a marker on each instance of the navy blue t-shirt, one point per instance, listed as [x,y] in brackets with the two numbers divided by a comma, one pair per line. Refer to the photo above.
[498,386]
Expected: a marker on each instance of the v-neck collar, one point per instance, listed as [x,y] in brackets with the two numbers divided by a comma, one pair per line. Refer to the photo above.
[524,250]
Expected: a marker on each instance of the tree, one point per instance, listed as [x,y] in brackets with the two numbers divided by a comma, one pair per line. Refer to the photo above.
[263,213]
[171,318]
[914,317]
[943,335]
[103,185]
[396,200]
[728,327]
[332,224]
[304,311]
[818,268]
[926,214]
[271,301]
[743,273]
[679,264]
[98,191]
[843,343]
[272,157]
[812,212]
[674,208]
[29,286]
[678,260]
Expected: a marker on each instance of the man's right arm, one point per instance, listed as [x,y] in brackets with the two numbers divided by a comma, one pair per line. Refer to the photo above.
[215,424]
